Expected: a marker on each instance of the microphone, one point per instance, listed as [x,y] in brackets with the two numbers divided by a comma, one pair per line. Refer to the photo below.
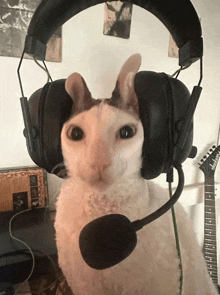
[109,239]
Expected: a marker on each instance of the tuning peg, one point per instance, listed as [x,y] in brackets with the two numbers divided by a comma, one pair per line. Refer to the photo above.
[213,146]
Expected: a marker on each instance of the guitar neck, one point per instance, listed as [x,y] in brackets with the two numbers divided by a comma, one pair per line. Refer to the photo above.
[210,244]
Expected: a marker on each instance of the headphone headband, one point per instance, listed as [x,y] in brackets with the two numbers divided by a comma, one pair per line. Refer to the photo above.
[179,17]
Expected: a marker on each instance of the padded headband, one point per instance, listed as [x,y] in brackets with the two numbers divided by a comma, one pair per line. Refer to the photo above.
[179,17]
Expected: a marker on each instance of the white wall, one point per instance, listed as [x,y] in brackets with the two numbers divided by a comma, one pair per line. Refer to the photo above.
[98,59]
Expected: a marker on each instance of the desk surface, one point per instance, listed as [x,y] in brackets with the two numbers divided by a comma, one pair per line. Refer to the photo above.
[35,228]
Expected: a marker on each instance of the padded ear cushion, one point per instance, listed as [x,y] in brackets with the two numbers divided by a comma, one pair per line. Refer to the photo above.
[162,101]
[50,107]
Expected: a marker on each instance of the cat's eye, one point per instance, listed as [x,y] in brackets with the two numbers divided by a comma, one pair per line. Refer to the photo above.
[75,133]
[127,132]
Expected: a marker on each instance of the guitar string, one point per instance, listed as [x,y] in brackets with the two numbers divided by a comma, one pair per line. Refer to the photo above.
[210,252]
[218,135]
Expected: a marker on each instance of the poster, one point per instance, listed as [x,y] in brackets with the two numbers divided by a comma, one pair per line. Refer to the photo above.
[15,16]
[117,20]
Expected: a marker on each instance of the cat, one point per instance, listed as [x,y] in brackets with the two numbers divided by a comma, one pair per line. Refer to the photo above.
[102,148]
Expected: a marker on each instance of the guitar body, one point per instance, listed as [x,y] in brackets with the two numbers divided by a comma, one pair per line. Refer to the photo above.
[208,166]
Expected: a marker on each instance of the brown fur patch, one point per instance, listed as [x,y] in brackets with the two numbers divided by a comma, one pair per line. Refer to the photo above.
[116,100]
[87,105]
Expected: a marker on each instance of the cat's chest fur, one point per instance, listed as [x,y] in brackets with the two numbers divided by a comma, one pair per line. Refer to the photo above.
[127,197]
[133,199]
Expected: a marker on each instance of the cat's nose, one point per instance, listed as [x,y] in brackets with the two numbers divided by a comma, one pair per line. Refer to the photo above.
[99,157]
[100,162]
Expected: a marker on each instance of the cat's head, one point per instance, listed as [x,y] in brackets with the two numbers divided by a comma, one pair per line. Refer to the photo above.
[102,141]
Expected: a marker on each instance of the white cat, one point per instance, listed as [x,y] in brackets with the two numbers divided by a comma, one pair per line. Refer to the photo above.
[102,147]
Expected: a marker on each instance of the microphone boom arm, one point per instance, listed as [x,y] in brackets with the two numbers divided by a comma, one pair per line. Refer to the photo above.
[138,224]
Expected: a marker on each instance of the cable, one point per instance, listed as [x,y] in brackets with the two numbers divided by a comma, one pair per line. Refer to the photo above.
[31,252]
[26,245]
[179,70]
[138,224]
[44,68]
[24,252]
[55,266]
[56,283]
[201,71]
[170,180]
[47,71]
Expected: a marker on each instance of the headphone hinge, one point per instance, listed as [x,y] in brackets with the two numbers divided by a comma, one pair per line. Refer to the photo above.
[191,52]
[35,47]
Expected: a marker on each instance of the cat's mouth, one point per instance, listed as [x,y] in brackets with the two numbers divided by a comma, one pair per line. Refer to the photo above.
[99,180]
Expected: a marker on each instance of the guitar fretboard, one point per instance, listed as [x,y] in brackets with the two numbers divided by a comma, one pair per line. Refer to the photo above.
[210,244]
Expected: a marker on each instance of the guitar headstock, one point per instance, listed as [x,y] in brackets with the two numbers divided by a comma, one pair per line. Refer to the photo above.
[209,162]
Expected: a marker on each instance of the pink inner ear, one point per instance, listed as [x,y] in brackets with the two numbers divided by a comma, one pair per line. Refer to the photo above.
[131,65]
[124,95]
[127,75]
[76,87]
[127,87]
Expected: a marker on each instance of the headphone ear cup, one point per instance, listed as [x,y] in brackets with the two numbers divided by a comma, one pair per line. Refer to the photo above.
[181,97]
[162,102]
[49,107]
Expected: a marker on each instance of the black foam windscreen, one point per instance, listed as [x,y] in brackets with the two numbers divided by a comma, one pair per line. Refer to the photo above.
[107,241]
[179,17]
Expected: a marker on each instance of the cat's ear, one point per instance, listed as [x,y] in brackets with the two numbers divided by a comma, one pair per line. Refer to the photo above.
[125,82]
[76,87]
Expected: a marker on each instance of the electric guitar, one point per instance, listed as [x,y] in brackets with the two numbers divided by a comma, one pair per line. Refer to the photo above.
[208,166]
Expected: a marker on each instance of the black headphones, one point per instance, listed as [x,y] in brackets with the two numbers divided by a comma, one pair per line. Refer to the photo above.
[166,106]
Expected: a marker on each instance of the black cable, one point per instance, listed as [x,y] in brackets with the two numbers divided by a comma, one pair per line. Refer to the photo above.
[170,180]
[179,70]
[45,69]
[48,73]
[201,71]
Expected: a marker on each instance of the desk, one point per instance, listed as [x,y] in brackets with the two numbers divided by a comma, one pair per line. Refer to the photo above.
[35,228]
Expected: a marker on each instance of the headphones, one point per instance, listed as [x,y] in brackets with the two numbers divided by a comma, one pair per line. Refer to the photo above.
[166,106]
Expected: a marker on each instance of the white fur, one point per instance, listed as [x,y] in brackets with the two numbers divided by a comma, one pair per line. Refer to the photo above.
[105,178]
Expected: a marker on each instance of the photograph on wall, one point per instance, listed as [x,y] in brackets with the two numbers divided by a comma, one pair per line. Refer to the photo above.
[117,21]
[15,16]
